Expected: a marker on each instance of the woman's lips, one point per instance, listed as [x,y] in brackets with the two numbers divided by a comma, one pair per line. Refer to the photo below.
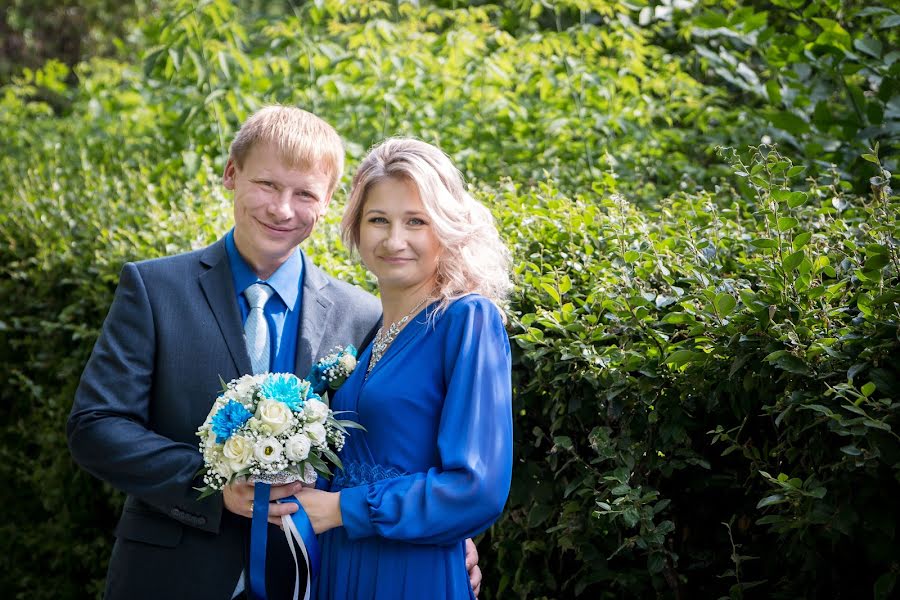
[395,260]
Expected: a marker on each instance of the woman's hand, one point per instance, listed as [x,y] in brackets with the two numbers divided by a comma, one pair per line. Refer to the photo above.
[238,498]
[322,508]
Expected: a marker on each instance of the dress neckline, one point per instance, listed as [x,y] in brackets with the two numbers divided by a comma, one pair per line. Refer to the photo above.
[412,329]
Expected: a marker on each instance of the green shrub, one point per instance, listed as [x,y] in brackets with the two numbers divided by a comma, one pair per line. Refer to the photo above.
[707,400]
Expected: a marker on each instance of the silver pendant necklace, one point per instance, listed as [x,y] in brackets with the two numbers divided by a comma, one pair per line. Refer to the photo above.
[384,338]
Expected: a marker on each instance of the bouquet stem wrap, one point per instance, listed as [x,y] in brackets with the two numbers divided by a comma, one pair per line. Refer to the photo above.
[297,529]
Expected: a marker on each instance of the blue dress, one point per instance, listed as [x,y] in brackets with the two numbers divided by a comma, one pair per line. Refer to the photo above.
[434,464]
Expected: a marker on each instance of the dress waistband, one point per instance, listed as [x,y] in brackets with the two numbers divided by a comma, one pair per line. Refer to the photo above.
[355,474]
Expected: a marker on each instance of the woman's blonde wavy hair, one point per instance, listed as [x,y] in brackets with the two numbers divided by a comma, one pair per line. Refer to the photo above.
[474,259]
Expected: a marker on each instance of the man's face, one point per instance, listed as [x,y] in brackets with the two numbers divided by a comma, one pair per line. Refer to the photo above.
[275,206]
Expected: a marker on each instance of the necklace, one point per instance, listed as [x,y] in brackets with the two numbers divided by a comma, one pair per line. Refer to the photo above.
[383,338]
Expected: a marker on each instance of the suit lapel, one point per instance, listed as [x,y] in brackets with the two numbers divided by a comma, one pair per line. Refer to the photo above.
[315,306]
[218,287]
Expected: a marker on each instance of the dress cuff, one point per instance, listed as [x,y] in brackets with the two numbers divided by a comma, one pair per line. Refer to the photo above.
[355,512]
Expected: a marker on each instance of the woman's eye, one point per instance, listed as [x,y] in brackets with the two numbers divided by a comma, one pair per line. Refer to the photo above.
[377,220]
[417,222]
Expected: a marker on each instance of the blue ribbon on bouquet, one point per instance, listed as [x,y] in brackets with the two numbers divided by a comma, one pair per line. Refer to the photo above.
[297,528]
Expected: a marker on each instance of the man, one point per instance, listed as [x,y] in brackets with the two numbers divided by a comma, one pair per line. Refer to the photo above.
[175,327]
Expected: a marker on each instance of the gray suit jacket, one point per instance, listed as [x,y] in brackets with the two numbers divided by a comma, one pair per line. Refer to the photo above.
[174,328]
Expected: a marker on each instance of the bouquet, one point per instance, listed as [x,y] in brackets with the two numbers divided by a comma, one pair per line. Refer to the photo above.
[274,427]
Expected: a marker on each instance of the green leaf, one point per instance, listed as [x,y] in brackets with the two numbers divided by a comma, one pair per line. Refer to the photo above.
[683,357]
[551,291]
[764,243]
[678,318]
[770,519]
[851,450]
[796,199]
[787,362]
[801,239]
[871,158]
[793,260]
[656,562]
[725,303]
[771,500]
[539,513]
[563,441]
[632,255]
[867,389]
[789,122]
[889,22]
[876,262]
[773,89]
[786,223]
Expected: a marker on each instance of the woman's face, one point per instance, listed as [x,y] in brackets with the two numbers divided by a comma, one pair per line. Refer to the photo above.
[396,240]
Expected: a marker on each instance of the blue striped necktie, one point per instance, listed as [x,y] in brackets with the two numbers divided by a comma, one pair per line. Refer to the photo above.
[256,329]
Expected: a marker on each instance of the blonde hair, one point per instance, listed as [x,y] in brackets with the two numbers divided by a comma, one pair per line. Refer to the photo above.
[474,259]
[300,138]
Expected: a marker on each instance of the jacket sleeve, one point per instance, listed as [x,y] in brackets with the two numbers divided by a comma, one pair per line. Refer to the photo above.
[109,427]
[467,492]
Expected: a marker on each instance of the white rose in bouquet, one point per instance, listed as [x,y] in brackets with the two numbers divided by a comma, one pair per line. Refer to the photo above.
[275,415]
[315,411]
[238,451]
[242,389]
[223,468]
[297,447]
[316,433]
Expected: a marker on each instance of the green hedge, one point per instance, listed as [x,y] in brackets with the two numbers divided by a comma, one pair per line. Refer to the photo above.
[708,393]
[706,401]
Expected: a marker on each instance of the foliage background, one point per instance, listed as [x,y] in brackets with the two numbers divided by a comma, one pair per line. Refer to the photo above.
[698,196]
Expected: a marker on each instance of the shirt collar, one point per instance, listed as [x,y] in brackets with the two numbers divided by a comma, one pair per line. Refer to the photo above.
[285,280]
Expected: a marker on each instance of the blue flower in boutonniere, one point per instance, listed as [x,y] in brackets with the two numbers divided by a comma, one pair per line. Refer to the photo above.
[333,369]
[229,419]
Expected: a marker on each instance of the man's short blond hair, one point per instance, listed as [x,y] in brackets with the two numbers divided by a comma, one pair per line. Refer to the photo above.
[301,139]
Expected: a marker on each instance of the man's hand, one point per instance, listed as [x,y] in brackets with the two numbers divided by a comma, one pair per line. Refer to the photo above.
[472,566]
[238,497]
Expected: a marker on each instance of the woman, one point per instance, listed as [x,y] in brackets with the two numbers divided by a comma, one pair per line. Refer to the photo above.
[433,389]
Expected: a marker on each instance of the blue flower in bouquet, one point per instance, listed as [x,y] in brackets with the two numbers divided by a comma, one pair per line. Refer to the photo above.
[229,419]
[286,388]
[332,370]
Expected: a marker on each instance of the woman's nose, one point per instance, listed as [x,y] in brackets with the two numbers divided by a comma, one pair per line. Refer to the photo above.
[395,241]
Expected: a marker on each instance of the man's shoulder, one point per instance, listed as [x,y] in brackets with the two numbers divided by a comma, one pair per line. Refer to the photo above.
[339,290]
[175,263]
[352,294]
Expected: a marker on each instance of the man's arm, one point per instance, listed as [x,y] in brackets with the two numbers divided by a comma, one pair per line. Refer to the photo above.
[108,428]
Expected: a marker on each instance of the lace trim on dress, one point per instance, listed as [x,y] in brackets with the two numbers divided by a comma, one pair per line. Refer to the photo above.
[356,474]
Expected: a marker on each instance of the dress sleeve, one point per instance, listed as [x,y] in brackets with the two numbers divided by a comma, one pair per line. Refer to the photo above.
[463,496]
